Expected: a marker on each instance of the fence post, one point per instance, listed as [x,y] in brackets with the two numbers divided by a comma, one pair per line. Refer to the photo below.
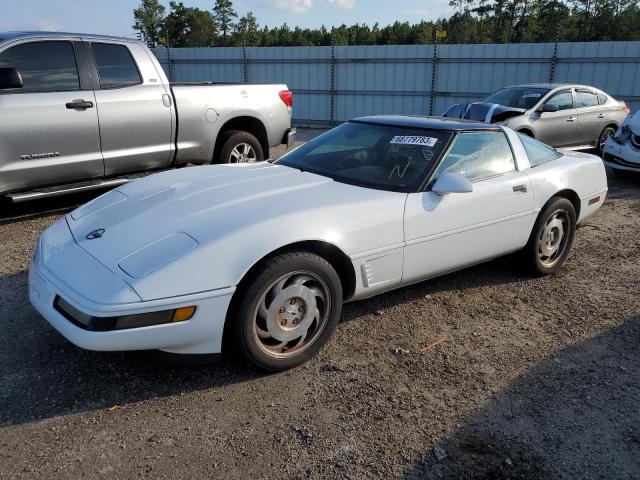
[245,64]
[333,82]
[170,64]
[554,62]
[434,68]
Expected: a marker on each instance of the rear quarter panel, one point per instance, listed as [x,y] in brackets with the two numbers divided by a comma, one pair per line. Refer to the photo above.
[204,109]
[581,173]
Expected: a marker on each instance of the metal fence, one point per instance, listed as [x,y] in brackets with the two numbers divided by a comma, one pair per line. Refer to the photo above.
[334,84]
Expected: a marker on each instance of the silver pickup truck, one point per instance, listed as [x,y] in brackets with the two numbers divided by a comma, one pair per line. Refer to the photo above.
[82,111]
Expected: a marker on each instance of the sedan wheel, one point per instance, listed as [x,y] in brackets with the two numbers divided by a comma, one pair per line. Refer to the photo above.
[604,136]
[285,311]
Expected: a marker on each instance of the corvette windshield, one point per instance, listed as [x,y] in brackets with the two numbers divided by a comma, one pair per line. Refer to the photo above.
[517,97]
[377,156]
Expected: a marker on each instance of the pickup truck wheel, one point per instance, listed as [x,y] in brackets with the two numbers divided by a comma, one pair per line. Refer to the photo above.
[240,147]
[551,237]
[288,311]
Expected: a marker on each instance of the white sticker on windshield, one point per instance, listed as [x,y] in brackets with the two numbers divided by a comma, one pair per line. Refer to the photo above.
[411,140]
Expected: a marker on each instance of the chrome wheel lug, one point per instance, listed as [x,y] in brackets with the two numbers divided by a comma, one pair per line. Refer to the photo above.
[283,323]
[282,310]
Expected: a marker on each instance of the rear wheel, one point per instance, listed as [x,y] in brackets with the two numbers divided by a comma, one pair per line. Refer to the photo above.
[288,310]
[607,133]
[552,237]
[240,147]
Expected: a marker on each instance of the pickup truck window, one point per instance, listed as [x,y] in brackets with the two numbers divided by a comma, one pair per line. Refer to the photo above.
[48,66]
[116,67]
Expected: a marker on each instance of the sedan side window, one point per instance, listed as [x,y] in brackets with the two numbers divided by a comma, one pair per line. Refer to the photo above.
[563,100]
[116,67]
[44,66]
[586,99]
[477,155]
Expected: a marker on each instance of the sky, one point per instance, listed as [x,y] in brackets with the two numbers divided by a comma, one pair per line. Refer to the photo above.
[115,17]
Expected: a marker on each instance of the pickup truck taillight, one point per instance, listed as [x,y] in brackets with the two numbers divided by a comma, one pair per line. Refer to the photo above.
[287,97]
[626,108]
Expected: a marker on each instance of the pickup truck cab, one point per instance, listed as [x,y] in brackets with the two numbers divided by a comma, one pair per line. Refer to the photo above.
[84,111]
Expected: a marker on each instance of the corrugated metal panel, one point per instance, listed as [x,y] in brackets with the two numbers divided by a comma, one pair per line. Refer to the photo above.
[335,84]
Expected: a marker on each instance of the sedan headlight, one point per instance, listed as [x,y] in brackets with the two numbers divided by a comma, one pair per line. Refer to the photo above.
[105,324]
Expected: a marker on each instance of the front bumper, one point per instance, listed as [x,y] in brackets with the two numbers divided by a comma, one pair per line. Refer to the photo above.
[621,157]
[202,334]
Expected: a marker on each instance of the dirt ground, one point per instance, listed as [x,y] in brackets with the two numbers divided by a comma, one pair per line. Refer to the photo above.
[535,378]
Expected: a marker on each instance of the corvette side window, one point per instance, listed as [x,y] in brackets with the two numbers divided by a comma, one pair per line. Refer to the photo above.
[477,155]
[537,152]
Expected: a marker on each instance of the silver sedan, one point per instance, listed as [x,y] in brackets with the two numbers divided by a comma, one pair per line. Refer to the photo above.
[561,115]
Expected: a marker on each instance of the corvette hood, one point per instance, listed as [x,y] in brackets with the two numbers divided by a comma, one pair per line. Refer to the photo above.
[177,221]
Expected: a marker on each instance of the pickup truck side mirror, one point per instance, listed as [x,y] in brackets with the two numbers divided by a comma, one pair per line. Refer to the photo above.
[10,78]
[549,107]
[450,182]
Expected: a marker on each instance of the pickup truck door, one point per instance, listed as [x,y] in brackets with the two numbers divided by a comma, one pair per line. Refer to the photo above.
[448,232]
[49,127]
[134,109]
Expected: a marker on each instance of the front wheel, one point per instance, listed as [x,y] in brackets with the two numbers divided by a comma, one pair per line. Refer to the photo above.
[239,146]
[551,237]
[288,310]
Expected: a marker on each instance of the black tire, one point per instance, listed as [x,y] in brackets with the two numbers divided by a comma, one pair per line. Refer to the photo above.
[232,140]
[259,312]
[534,255]
[608,131]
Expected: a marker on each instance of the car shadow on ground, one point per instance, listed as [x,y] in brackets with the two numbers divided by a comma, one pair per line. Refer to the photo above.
[500,271]
[42,375]
[623,185]
[578,408]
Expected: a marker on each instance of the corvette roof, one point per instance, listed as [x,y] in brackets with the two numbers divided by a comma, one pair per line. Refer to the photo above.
[434,123]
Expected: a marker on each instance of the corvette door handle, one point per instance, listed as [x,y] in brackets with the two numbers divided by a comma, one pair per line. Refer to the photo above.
[602,115]
[520,188]
[79,104]
[571,119]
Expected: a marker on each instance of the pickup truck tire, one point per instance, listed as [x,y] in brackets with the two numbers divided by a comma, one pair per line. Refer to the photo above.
[239,146]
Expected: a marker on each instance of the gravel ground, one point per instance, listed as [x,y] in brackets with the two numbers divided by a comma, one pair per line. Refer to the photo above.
[535,378]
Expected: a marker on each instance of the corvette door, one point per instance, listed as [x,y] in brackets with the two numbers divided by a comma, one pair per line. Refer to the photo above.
[445,233]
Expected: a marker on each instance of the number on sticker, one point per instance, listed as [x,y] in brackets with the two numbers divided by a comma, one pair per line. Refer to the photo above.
[414,140]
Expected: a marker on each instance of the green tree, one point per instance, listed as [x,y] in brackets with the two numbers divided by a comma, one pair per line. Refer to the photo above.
[246,32]
[224,14]
[189,27]
[149,18]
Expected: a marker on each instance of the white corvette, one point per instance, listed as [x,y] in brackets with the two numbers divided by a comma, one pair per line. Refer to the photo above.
[260,257]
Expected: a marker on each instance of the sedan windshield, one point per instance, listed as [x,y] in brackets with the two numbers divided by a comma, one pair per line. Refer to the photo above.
[517,97]
[371,155]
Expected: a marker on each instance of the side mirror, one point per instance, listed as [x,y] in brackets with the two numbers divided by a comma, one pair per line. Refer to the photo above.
[549,108]
[450,182]
[10,78]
